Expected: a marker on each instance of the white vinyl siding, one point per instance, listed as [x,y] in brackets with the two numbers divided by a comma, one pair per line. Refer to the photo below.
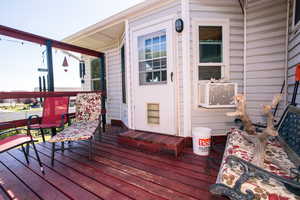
[293,55]
[114,83]
[265,69]
[230,10]
[86,86]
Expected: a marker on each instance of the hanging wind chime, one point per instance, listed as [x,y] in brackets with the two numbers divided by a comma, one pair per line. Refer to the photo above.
[65,64]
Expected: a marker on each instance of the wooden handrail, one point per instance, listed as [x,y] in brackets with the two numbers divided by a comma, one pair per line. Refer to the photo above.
[17,95]
[22,122]
[20,95]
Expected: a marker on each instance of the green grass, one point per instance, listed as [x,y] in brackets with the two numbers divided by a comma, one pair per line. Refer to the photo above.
[19,108]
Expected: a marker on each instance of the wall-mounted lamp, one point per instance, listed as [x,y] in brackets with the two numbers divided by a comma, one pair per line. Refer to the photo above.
[179,25]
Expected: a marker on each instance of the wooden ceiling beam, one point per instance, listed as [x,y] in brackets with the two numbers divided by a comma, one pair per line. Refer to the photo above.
[22,35]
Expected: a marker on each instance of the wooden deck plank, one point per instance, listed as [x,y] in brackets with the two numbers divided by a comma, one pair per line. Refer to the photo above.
[88,168]
[154,169]
[14,187]
[177,187]
[159,157]
[83,181]
[37,184]
[64,182]
[150,187]
[194,161]
[117,172]
[198,175]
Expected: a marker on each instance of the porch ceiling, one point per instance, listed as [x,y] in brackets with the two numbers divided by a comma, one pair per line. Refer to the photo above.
[100,39]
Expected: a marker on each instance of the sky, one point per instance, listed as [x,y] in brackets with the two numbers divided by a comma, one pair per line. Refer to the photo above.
[54,19]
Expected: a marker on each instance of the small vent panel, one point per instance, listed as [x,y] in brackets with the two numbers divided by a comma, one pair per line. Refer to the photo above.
[153,113]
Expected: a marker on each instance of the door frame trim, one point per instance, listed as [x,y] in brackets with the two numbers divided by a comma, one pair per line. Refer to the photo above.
[145,28]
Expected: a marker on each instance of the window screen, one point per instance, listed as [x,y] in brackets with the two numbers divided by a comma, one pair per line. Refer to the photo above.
[209,72]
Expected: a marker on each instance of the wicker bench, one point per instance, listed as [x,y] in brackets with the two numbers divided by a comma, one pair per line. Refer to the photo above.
[241,180]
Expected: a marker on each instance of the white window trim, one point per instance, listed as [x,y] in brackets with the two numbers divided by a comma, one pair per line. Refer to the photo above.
[226,46]
[225,23]
[295,27]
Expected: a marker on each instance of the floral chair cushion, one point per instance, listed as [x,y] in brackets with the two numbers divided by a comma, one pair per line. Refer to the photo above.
[239,147]
[88,107]
[78,131]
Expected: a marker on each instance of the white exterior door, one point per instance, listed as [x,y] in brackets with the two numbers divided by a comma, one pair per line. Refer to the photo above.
[153,79]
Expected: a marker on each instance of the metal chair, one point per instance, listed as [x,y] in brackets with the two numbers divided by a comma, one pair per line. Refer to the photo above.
[19,140]
[55,110]
[86,122]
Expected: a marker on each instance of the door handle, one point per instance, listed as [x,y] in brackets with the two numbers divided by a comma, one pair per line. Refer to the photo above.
[172,76]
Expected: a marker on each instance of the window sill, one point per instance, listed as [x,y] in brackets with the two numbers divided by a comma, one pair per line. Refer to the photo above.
[200,108]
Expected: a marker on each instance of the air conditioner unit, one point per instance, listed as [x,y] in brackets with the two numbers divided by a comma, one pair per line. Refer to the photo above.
[217,95]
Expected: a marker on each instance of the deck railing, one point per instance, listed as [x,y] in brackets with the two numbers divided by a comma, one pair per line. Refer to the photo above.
[20,95]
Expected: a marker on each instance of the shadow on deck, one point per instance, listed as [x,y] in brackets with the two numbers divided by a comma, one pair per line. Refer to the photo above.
[117,172]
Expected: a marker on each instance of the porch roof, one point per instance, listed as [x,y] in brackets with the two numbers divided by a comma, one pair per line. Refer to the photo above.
[109,31]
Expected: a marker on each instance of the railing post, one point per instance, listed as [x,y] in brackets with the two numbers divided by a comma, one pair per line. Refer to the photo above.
[103,89]
[44,84]
[50,65]
[40,87]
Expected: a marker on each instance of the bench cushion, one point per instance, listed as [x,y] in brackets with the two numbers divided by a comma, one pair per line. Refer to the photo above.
[77,131]
[239,147]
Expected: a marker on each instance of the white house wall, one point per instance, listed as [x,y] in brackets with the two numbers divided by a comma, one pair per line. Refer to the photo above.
[221,9]
[293,56]
[172,9]
[266,44]
[265,58]
[114,84]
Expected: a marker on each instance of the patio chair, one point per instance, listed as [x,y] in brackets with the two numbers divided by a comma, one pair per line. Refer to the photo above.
[87,121]
[19,140]
[55,110]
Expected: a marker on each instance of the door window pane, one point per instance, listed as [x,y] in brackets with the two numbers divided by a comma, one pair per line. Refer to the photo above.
[210,44]
[152,66]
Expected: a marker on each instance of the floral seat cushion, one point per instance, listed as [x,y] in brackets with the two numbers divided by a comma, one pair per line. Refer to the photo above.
[78,131]
[275,154]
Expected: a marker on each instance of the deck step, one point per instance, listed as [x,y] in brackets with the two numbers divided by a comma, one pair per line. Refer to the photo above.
[153,142]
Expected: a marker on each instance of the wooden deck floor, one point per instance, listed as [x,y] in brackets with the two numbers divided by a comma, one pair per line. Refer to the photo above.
[116,173]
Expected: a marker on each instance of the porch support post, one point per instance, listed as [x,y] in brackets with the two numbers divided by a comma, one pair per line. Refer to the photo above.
[128,75]
[50,66]
[186,70]
[103,89]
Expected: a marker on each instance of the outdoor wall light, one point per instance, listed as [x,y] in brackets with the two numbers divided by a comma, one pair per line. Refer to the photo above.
[179,25]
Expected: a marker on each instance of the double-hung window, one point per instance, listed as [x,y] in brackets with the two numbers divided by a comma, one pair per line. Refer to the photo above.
[212,47]
[296,14]
[153,58]
[95,74]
